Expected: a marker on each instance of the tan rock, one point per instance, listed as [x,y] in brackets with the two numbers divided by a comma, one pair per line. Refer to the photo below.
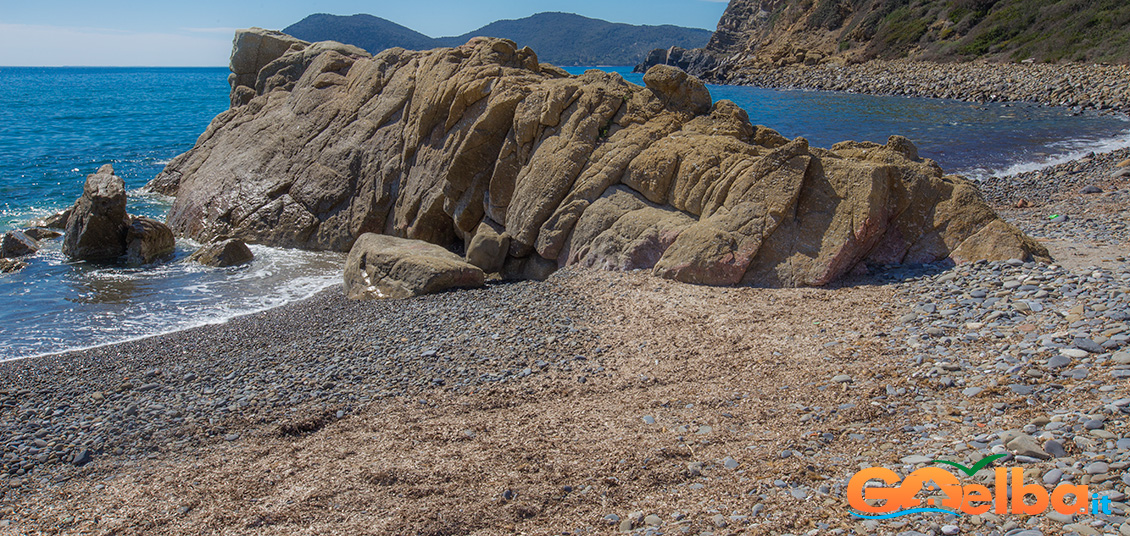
[381,266]
[253,49]
[481,143]
[488,248]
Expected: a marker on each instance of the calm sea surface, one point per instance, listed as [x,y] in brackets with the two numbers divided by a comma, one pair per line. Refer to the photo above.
[61,124]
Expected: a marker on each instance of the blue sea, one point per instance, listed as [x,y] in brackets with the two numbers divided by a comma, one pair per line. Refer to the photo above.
[61,124]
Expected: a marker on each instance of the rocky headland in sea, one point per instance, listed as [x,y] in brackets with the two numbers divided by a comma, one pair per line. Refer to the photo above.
[588,401]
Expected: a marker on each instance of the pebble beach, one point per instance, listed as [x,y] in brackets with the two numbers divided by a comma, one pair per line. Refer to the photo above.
[1097,87]
[600,402]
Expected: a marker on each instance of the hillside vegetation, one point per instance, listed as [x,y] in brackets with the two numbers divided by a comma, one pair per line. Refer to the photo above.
[558,38]
[940,30]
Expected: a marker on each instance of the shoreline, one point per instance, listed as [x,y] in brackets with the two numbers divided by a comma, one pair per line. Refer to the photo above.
[1082,86]
[408,415]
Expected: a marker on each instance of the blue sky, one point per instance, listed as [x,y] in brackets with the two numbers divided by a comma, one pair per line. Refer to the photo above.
[199,32]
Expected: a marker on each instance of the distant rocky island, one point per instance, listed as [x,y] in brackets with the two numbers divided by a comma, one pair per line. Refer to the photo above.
[559,38]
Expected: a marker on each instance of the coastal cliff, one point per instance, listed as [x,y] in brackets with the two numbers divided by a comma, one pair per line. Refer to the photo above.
[1055,53]
[446,144]
[808,31]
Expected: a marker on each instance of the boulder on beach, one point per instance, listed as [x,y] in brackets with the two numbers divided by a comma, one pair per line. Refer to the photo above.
[17,244]
[148,240]
[488,248]
[223,253]
[381,266]
[99,229]
[532,169]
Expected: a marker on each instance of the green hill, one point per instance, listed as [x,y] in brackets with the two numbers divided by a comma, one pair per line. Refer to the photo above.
[945,30]
[558,38]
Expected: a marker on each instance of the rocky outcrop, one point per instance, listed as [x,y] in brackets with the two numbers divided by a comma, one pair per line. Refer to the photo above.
[696,60]
[253,49]
[55,221]
[148,240]
[381,266]
[17,244]
[99,229]
[483,147]
[96,228]
[223,253]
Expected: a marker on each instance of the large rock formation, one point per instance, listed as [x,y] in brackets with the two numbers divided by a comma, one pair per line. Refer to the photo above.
[448,144]
[99,229]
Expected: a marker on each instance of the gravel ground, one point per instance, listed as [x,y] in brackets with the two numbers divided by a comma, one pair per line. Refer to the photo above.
[1101,87]
[598,402]
[324,355]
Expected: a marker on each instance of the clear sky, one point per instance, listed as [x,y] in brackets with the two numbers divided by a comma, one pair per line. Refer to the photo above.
[199,32]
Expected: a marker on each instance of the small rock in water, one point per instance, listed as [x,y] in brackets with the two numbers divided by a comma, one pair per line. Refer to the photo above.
[1091,189]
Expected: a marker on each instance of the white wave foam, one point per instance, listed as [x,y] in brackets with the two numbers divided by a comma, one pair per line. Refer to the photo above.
[210,296]
[1069,150]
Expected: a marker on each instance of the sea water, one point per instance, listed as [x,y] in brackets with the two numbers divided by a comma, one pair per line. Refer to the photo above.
[57,125]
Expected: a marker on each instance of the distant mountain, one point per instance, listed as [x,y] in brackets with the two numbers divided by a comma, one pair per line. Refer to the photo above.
[558,38]
[366,31]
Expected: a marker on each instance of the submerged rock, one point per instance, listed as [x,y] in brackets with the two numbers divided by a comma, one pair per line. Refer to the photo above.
[381,266]
[229,252]
[17,244]
[447,144]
